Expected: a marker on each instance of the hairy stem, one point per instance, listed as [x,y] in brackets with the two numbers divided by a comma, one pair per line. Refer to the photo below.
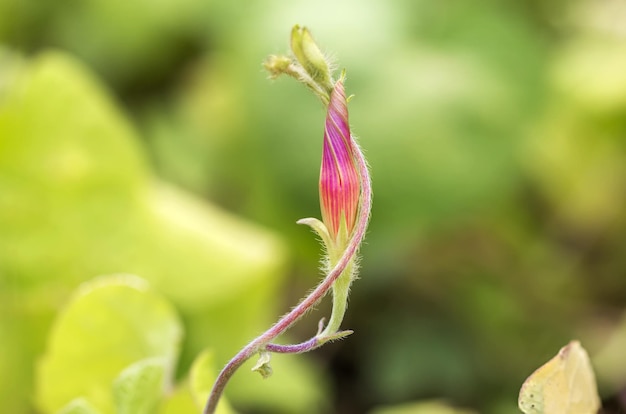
[263,341]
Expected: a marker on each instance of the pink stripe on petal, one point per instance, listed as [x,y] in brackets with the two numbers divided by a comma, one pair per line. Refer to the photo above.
[340,185]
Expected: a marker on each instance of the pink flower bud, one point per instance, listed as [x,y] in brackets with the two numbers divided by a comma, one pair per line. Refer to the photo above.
[340,186]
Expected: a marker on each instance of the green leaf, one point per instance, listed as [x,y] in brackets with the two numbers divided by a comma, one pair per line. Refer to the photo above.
[201,377]
[78,406]
[180,401]
[191,396]
[138,388]
[110,323]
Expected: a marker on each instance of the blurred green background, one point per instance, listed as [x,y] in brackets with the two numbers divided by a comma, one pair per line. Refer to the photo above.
[143,137]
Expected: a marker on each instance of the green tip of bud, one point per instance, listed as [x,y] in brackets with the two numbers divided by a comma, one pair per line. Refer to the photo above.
[310,56]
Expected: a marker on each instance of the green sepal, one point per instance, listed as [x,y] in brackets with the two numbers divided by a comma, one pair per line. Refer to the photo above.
[320,228]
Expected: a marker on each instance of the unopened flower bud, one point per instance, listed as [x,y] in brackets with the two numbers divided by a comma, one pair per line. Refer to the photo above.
[277,65]
[340,185]
[310,56]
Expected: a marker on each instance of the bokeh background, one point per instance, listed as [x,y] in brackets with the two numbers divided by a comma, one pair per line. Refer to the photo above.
[143,137]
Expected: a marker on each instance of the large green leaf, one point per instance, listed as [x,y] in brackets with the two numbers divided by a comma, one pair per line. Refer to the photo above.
[109,324]
[77,201]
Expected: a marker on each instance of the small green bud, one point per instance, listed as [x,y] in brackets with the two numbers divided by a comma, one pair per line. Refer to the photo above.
[277,65]
[310,56]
